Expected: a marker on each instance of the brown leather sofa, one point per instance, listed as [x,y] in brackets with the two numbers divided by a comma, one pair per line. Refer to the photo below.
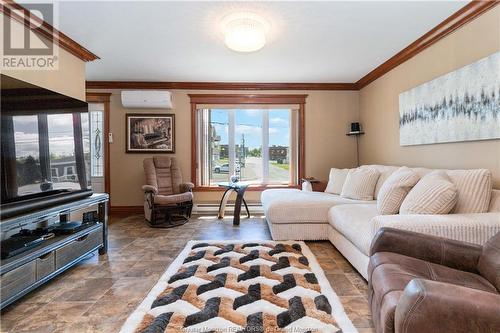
[421,283]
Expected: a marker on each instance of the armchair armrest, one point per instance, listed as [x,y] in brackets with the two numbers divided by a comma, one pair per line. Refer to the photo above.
[447,252]
[186,187]
[431,306]
[150,189]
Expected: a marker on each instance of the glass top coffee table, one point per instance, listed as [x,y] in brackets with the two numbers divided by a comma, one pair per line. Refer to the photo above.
[240,189]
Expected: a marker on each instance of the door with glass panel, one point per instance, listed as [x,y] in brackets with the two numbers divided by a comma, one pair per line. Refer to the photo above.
[98,151]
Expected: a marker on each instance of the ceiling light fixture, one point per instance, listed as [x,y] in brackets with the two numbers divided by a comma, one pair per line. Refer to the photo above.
[245,31]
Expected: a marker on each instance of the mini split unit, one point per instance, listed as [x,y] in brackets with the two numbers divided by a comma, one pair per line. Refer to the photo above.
[147,99]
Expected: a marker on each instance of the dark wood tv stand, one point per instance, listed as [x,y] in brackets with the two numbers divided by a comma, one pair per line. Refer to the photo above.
[26,271]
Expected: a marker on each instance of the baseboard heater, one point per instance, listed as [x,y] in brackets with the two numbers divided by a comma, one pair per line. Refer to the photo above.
[255,208]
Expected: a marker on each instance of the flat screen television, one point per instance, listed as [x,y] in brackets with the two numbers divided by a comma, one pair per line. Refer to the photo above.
[45,148]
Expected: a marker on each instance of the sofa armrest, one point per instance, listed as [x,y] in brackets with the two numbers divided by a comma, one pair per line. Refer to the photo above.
[186,187]
[451,253]
[431,306]
[150,189]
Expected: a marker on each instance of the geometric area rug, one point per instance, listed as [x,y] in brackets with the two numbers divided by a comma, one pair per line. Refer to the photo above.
[235,286]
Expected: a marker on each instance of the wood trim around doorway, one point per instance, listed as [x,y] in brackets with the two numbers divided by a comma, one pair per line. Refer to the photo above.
[104,98]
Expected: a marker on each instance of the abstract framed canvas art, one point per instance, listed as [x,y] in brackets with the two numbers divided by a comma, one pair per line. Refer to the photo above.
[463,105]
[150,133]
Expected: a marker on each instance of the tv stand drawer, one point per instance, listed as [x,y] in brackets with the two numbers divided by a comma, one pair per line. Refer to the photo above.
[78,247]
[45,265]
[17,280]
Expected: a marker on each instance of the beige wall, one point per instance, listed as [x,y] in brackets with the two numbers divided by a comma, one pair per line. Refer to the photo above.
[379,110]
[68,79]
[327,114]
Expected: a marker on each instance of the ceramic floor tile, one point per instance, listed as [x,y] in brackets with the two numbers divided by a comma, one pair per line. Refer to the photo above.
[342,286]
[52,316]
[89,289]
[97,295]
[357,310]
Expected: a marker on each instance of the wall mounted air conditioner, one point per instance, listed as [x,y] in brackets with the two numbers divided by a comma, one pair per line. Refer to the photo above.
[147,99]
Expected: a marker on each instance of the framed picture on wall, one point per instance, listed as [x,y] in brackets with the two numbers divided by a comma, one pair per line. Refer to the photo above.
[150,133]
[462,105]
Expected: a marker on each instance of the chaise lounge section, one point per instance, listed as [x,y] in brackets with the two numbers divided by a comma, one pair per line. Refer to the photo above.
[300,215]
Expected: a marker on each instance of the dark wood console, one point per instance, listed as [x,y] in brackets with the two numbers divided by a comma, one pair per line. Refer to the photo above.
[28,270]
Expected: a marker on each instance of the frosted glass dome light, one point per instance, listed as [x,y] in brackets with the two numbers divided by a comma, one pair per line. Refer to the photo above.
[245,32]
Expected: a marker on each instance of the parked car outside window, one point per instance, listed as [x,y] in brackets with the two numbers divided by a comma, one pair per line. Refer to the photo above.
[224,168]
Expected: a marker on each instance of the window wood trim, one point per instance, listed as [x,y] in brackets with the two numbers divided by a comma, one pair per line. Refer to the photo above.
[198,99]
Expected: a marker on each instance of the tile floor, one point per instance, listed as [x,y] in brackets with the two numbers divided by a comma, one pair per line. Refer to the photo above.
[98,294]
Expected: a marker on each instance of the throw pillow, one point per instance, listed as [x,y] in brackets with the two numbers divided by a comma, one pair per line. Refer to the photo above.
[395,189]
[474,190]
[336,180]
[433,194]
[360,184]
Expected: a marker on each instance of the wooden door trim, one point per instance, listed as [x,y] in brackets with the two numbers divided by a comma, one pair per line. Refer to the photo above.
[104,98]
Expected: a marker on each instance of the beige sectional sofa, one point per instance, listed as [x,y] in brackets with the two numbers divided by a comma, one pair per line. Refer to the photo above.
[351,224]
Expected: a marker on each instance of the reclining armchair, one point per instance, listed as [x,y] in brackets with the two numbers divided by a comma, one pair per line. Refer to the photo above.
[167,200]
[421,283]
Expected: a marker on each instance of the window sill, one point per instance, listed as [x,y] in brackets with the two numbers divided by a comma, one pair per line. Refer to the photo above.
[249,188]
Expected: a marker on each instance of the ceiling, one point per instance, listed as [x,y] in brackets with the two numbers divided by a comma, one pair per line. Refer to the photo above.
[308,42]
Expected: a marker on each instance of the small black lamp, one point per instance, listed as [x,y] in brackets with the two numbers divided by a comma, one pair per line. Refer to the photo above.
[356,131]
[355,128]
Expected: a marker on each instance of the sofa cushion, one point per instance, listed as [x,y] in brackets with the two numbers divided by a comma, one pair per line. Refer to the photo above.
[494,201]
[336,180]
[354,223]
[173,199]
[385,172]
[474,190]
[471,228]
[433,194]
[295,206]
[360,184]
[395,189]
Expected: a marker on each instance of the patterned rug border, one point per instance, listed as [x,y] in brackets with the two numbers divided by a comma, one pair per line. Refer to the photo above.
[338,311]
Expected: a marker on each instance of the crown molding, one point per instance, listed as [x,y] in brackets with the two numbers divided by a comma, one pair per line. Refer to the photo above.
[463,16]
[217,85]
[43,29]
